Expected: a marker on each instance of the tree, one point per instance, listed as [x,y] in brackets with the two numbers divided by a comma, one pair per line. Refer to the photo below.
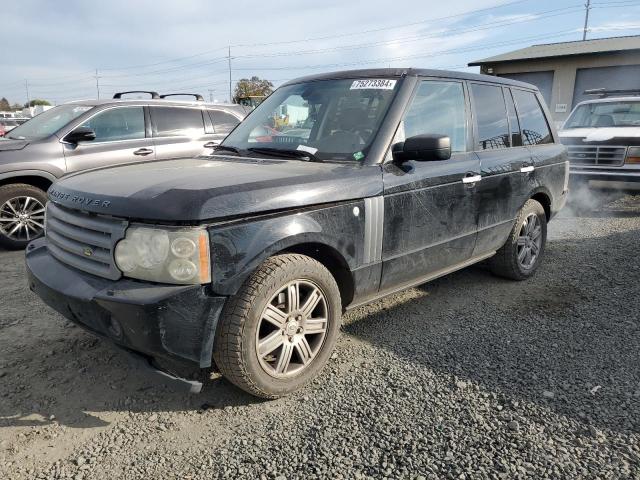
[36,101]
[254,86]
[4,104]
[16,106]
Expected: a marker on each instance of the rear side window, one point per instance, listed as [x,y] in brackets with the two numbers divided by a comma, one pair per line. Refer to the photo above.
[514,124]
[123,123]
[223,122]
[491,115]
[533,123]
[177,122]
[438,108]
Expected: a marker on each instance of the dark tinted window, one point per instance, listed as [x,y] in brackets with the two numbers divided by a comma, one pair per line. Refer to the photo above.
[223,122]
[516,138]
[177,122]
[438,108]
[532,121]
[126,123]
[493,129]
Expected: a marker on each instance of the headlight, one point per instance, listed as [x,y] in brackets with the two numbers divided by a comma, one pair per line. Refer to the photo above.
[179,256]
[633,155]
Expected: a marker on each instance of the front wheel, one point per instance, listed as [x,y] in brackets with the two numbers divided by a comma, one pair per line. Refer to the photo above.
[278,331]
[21,214]
[520,256]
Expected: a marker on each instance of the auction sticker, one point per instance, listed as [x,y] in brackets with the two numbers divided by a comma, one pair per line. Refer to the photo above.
[374,84]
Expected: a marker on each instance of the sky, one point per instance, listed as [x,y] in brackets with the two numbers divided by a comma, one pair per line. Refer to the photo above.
[58,48]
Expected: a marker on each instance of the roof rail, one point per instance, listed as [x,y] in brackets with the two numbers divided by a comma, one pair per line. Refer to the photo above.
[153,94]
[603,92]
[198,97]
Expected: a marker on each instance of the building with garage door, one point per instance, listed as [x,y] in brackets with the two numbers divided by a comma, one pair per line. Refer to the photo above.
[563,71]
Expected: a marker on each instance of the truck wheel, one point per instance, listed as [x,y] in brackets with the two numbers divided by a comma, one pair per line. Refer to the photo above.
[21,214]
[520,256]
[278,331]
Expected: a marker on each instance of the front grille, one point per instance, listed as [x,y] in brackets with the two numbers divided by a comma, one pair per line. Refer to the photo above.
[602,155]
[84,241]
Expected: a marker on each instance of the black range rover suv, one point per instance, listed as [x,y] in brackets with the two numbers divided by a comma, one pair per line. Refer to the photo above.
[338,189]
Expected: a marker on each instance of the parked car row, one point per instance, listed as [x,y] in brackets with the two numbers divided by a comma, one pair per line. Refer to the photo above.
[7,124]
[336,190]
[89,134]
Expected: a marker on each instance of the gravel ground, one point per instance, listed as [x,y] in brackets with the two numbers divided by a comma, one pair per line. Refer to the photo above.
[469,376]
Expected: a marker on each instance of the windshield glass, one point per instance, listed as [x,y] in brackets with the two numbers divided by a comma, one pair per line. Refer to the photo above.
[605,114]
[330,119]
[49,122]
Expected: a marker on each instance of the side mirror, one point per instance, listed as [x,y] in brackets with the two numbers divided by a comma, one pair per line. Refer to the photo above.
[80,134]
[423,148]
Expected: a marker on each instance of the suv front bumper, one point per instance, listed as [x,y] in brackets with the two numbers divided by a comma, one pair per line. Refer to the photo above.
[173,322]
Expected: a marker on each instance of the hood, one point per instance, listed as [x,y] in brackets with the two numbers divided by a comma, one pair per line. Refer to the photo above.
[7,144]
[207,188]
[601,136]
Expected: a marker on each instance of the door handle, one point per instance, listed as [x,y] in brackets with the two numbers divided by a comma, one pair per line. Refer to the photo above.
[472,179]
[143,151]
[527,169]
[212,144]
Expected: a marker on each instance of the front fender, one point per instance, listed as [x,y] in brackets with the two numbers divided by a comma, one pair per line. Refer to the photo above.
[238,249]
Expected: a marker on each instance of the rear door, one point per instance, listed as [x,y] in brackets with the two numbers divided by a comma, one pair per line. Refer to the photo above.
[547,171]
[503,159]
[179,131]
[429,210]
[222,123]
[121,137]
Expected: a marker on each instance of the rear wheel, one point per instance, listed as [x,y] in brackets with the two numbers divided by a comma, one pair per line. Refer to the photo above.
[520,256]
[277,333]
[21,214]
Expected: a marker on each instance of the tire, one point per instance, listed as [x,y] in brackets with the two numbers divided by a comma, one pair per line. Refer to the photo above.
[508,261]
[21,199]
[263,314]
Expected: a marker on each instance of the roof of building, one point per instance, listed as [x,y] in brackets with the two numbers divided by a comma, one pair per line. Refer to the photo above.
[582,47]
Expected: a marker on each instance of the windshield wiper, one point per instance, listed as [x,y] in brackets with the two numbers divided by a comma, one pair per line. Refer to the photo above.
[287,153]
[14,138]
[226,148]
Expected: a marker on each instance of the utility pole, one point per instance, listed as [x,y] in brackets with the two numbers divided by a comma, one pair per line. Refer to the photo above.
[230,94]
[211,95]
[97,77]
[26,87]
[587,7]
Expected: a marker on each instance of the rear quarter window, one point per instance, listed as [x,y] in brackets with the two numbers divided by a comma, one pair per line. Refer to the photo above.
[533,123]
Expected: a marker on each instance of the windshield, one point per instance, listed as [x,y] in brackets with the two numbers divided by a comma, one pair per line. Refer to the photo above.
[47,123]
[605,114]
[330,119]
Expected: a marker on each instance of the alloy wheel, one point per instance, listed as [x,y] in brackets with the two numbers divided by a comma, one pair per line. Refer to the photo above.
[529,241]
[22,218]
[292,328]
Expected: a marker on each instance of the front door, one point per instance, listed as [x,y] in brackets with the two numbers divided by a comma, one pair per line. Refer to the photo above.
[120,138]
[430,207]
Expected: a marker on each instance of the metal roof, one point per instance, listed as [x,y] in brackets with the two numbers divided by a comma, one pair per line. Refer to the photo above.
[582,47]
[409,72]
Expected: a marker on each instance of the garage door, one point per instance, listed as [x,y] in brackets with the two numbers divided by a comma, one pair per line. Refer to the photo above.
[612,78]
[542,80]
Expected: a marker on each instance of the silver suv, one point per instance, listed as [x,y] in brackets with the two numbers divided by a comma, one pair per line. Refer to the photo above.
[93,133]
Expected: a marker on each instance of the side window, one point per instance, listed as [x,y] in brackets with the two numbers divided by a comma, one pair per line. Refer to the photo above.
[223,122]
[516,137]
[491,115]
[177,121]
[126,123]
[437,108]
[535,129]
